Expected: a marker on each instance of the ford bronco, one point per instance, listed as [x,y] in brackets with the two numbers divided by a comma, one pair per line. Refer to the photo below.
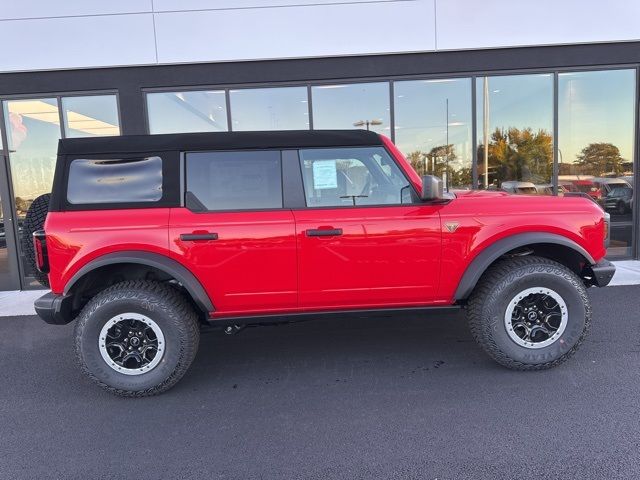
[149,238]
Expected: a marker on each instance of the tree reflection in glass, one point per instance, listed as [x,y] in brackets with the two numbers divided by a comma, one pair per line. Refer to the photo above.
[433,127]
[515,120]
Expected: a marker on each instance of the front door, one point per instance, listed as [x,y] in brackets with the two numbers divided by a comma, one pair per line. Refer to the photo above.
[364,240]
[234,233]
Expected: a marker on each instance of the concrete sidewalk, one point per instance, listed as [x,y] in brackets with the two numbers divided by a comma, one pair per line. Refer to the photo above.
[17,302]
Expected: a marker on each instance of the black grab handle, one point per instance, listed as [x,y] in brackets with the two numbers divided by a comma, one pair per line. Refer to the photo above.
[194,237]
[324,232]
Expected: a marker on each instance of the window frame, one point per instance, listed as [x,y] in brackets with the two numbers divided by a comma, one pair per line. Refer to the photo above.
[415,197]
[212,88]
[184,187]
[127,188]
[170,188]
[105,93]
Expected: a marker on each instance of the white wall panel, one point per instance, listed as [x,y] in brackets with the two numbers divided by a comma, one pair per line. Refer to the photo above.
[183,5]
[464,24]
[16,9]
[221,35]
[77,42]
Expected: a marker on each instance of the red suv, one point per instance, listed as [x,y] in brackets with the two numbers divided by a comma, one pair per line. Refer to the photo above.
[147,238]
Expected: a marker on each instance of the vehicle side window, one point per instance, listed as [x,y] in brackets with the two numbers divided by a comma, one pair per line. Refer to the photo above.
[131,180]
[250,180]
[336,177]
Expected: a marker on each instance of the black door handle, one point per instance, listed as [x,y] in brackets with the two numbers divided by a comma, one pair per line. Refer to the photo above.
[324,232]
[194,237]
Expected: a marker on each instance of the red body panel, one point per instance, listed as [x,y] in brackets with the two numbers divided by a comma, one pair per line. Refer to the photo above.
[263,262]
[76,238]
[386,256]
[486,217]
[252,267]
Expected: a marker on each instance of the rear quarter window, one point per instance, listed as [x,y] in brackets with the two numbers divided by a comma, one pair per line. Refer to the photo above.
[113,181]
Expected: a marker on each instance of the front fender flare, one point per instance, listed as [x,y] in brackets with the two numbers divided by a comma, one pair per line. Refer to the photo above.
[494,251]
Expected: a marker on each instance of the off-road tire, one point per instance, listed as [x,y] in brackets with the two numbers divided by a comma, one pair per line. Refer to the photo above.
[167,307]
[34,221]
[498,286]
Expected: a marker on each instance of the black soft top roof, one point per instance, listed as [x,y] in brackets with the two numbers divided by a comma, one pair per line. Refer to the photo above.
[218,141]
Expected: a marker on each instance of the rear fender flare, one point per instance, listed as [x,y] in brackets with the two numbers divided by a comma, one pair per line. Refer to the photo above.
[171,267]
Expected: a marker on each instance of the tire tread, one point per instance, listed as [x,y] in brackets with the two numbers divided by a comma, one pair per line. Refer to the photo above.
[143,289]
[504,271]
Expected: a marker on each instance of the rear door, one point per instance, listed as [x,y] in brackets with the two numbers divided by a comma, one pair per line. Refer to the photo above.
[233,232]
[364,239]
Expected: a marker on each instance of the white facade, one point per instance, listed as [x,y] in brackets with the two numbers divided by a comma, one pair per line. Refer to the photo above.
[46,35]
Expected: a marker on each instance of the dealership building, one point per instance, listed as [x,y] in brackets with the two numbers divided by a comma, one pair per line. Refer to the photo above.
[532,97]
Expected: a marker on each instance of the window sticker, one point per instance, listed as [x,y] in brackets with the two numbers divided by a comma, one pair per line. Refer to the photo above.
[325,174]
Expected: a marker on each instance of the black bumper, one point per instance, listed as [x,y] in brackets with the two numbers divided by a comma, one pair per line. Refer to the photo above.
[54,309]
[602,273]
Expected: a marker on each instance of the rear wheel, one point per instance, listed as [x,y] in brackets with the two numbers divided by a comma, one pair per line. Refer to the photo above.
[34,221]
[137,338]
[529,313]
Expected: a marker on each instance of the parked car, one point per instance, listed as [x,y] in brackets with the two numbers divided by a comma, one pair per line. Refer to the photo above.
[607,184]
[619,200]
[147,239]
[588,187]
[520,188]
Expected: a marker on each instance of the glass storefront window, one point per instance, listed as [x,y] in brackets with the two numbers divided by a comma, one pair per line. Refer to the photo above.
[515,121]
[33,131]
[6,274]
[595,140]
[193,111]
[359,105]
[433,127]
[87,116]
[255,109]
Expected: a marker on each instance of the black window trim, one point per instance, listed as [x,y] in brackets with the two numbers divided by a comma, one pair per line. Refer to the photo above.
[416,201]
[185,190]
[170,189]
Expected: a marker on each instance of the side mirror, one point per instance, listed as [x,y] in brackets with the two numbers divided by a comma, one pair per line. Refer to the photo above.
[432,188]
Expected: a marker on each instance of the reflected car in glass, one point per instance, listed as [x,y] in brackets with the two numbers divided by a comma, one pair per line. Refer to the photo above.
[607,184]
[619,200]
[520,188]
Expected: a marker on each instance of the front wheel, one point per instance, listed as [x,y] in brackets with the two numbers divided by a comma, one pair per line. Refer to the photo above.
[529,313]
[136,338]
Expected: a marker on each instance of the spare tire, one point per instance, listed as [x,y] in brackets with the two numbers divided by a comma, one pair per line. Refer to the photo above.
[34,221]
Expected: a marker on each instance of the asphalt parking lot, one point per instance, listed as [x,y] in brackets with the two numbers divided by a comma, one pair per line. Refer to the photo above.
[360,398]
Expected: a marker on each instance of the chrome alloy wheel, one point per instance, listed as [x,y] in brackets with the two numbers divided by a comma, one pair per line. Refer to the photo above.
[131,343]
[536,317]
